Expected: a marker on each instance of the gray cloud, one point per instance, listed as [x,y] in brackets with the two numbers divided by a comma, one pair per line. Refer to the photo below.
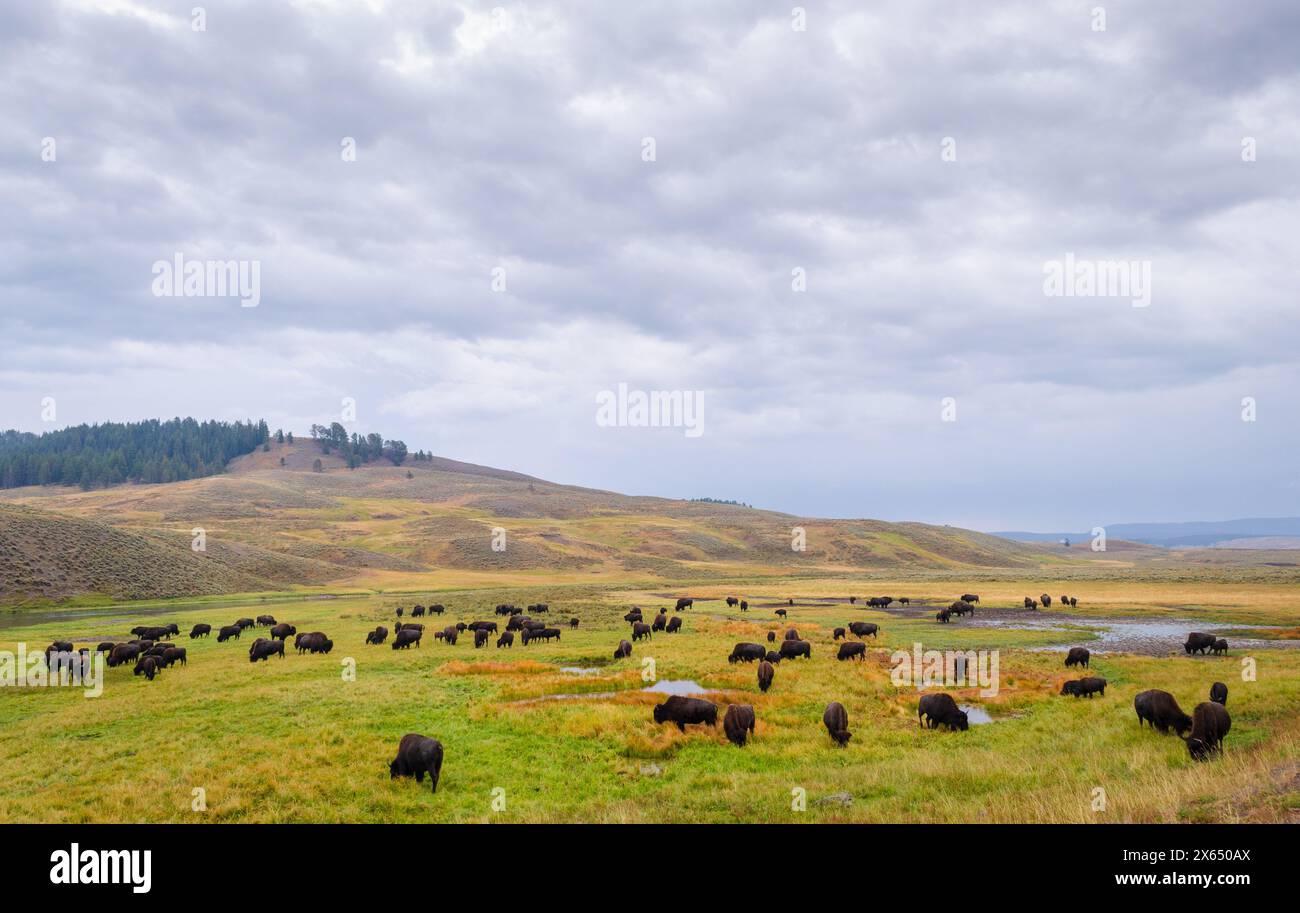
[520,147]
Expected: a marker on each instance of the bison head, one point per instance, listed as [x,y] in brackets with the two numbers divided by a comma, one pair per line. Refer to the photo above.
[660,713]
[963,722]
[1198,749]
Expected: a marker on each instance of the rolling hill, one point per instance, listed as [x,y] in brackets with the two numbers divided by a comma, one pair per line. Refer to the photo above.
[280,526]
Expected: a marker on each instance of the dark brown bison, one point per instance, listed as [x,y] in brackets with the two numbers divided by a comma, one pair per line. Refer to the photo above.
[417,755]
[489,626]
[903,600]
[960,608]
[732,601]
[481,636]
[200,631]
[173,655]
[744,605]
[771,637]
[506,640]
[633,616]
[148,667]
[674,625]
[683,604]
[123,653]
[437,609]
[1085,687]
[686,710]
[1198,643]
[792,634]
[266,621]
[623,650]
[792,649]
[864,629]
[1219,693]
[573,622]
[660,622]
[854,649]
[640,631]
[765,673]
[1078,656]
[245,623]
[280,632]
[539,607]
[377,636]
[417,611]
[265,649]
[969,597]
[836,719]
[772,657]
[838,634]
[228,632]
[1220,647]
[738,723]
[1161,710]
[746,653]
[943,616]
[781,613]
[317,642]
[1074,603]
[403,639]
[1045,600]
[1210,724]
[940,709]
[449,634]
[1030,604]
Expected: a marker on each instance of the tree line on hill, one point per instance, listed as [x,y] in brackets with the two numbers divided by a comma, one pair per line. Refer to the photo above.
[96,456]
[357,449]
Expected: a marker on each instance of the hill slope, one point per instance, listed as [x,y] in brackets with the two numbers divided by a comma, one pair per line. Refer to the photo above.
[274,525]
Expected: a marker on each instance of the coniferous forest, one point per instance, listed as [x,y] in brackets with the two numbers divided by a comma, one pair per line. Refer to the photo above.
[96,456]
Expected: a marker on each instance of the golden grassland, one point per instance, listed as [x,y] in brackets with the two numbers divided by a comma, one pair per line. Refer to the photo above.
[292,740]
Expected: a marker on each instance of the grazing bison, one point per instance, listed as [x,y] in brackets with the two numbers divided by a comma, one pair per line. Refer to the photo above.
[942,616]
[1219,693]
[148,667]
[683,604]
[960,608]
[864,628]
[449,634]
[123,653]
[200,631]
[417,611]
[1085,687]
[732,601]
[573,622]
[1161,710]
[969,597]
[836,719]
[660,622]
[623,650]
[1078,656]
[1210,724]
[106,647]
[549,634]
[1030,604]
[640,630]
[437,609]
[539,607]
[738,723]
[772,657]
[771,637]
[674,625]
[317,642]
[417,755]
[838,634]
[903,600]
[765,673]
[791,649]
[633,616]
[377,636]
[280,632]
[266,621]
[791,634]
[686,710]
[506,640]
[403,639]
[940,709]
[173,655]
[781,613]
[744,605]
[1220,647]
[1074,603]
[1198,643]
[265,649]
[489,626]
[228,632]
[245,623]
[746,653]
[855,649]
[481,637]
[1045,600]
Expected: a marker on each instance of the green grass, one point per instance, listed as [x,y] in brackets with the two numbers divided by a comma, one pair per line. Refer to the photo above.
[290,740]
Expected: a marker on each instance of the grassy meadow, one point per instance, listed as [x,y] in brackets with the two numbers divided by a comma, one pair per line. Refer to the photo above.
[294,740]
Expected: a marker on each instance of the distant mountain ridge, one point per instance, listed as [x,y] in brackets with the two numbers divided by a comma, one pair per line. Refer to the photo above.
[1198,533]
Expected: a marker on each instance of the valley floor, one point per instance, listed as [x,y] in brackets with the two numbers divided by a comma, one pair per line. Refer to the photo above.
[562,732]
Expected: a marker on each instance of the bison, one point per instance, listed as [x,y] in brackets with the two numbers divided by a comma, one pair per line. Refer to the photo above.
[686,710]
[660,622]
[377,636]
[280,632]
[228,632]
[732,601]
[1198,643]
[417,611]
[969,597]
[838,634]
[266,621]
[738,723]
[417,755]
[640,631]
[765,673]
[781,613]
[772,657]
[855,649]
[1078,656]
[864,629]
[674,625]
[265,649]
[940,709]
[1045,600]
[245,623]
[683,604]
[200,631]
[1219,693]
[148,667]
[744,605]
[1085,687]
[1220,647]
[481,637]
[573,622]
[746,653]
[792,634]
[1161,710]
[836,719]
[506,639]
[943,616]
[791,649]
[623,650]
[403,639]
[1210,724]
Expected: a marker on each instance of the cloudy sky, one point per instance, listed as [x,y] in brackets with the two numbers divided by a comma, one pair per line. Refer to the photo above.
[650,183]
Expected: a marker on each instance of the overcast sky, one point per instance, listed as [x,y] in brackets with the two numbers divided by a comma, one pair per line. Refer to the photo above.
[919,163]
